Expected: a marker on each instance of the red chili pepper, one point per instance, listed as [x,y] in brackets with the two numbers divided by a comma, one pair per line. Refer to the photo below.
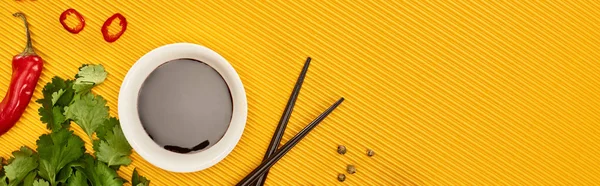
[79,27]
[113,37]
[27,67]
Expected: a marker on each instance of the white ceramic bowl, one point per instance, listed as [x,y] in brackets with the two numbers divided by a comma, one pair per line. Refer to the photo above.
[137,136]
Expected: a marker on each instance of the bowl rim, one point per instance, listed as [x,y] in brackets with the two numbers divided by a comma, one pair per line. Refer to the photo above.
[132,126]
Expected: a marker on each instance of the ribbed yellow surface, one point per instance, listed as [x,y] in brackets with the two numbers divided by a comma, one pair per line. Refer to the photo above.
[455,93]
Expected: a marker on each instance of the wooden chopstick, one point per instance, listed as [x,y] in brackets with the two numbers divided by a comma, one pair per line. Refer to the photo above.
[285,118]
[266,165]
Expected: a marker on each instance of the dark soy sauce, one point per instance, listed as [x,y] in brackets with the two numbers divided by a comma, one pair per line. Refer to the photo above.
[185,105]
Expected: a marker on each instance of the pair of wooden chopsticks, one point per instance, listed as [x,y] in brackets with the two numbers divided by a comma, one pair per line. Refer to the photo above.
[258,176]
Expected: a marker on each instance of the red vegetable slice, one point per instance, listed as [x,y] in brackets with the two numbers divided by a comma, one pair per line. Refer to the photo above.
[79,27]
[113,37]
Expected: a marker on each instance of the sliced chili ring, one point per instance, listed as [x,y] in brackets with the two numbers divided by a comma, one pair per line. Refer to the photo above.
[79,27]
[113,37]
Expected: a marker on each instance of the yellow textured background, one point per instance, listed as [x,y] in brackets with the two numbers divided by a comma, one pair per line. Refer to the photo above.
[456,93]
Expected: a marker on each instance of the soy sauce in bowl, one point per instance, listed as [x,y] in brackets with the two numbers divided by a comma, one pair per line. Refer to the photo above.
[185,106]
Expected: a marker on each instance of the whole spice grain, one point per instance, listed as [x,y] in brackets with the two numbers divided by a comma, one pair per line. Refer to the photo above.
[351,169]
[341,177]
[370,152]
[341,149]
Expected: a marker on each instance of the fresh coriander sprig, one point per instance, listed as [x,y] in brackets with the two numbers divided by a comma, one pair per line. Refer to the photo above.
[60,158]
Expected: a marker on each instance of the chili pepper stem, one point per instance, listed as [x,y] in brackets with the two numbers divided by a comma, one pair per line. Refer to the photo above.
[29,47]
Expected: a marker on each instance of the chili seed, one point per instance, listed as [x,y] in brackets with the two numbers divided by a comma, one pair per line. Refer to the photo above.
[351,169]
[370,152]
[341,149]
[341,177]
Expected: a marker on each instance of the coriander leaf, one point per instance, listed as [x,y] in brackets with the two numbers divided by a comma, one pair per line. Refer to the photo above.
[55,85]
[56,150]
[79,69]
[66,98]
[99,173]
[41,182]
[2,174]
[47,110]
[114,149]
[107,176]
[91,73]
[66,172]
[54,118]
[29,178]
[77,179]
[101,132]
[47,117]
[89,112]
[137,180]
[88,76]
[23,162]
[108,126]
[57,95]
[83,87]
[58,117]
